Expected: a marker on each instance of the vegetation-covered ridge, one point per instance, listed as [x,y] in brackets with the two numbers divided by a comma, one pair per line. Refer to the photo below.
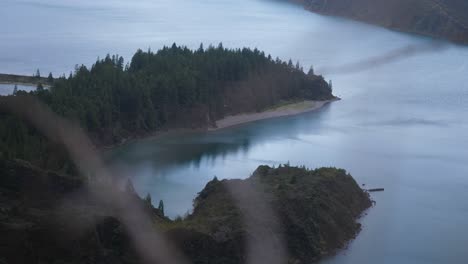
[174,87]
[446,19]
[313,212]
[53,218]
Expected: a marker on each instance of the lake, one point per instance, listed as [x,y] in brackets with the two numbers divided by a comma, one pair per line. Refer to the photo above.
[402,123]
[7,89]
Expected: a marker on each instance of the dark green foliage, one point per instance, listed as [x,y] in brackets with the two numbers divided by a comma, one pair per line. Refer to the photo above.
[174,87]
[39,223]
[148,199]
[161,207]
[293,180]
[50,78]
[40,87]
[315,211]
[311,71]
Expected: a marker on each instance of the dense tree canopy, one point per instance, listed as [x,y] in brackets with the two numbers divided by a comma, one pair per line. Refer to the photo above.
[174,87]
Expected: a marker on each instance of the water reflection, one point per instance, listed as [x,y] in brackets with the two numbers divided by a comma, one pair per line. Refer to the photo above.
[401,125]
[186,161]
[191,148]
[7,89]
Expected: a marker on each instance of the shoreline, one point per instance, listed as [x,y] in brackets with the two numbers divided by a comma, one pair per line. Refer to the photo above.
[288,109]
[24,84]
[6,78]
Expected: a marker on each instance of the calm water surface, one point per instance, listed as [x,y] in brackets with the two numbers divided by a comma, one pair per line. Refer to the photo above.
[7,89]
[402,126]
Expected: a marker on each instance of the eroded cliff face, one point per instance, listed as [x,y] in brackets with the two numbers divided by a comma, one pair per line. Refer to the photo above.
[446,19]
[278,215]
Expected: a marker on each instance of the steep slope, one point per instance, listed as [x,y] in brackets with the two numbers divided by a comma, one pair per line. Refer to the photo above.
[47,217]
[446,19]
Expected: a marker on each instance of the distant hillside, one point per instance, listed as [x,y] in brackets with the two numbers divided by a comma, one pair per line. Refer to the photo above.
[446,19]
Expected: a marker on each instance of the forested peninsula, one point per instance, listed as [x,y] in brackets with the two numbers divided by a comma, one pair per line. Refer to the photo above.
[172,88]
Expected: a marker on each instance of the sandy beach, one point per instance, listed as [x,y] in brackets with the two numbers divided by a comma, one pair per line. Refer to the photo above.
[280,111]
[230,121]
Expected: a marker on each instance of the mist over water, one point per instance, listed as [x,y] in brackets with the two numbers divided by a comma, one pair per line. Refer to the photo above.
[401,124]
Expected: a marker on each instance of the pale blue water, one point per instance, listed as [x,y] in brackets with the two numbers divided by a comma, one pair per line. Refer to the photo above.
[402,126]
[7,89]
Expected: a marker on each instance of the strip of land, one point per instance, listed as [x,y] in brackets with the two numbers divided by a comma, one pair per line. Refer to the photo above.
[23,80]
[279,111]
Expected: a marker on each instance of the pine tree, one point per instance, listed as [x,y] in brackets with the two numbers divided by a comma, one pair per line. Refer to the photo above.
[311,71]
[15,90]
[293,179]
[40,87]
[148,199]
[50,78]
[161,207]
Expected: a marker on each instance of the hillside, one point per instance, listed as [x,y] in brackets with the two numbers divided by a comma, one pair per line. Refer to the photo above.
[51,218]
[447,19]
[285,214]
